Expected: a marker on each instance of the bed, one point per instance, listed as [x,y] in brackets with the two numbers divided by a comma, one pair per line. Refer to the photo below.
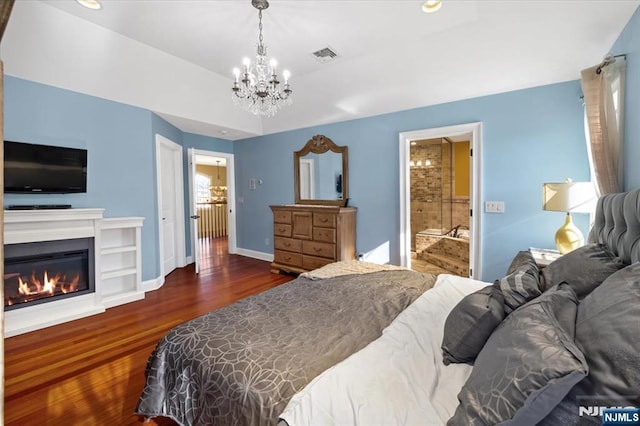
[242,363]
[538,346]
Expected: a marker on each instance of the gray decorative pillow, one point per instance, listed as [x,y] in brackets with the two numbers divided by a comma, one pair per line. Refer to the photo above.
[527,366]
[521,285]
[522,258]
[607,329]
[583,269]
[470,324]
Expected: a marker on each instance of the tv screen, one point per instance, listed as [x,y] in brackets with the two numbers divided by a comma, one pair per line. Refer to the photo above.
[44,169]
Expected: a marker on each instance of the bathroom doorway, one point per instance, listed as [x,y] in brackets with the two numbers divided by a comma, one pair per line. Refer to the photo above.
[439,192]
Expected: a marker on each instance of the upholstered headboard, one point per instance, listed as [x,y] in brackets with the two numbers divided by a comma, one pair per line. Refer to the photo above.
[617,224]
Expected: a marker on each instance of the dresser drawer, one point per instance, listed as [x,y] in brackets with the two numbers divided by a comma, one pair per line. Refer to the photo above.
[288,244]
[281,230]
[319,249]
[282,216]
[327,235]
[326,220]
[311,262]
[287,258]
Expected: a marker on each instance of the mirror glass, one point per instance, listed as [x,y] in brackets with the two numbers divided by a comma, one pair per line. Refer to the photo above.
[321,176]
[320,169]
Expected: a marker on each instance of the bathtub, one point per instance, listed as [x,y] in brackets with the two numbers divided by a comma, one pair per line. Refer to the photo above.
[462,233]
[447,252]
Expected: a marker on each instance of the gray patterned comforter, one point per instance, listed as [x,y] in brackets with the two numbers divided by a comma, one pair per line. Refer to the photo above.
[242,363]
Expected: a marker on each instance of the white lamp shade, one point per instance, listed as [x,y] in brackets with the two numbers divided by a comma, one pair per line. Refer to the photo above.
[572,197]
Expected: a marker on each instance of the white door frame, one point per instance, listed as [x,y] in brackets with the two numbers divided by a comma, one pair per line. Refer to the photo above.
[231,198]
[180,245]
[475,229]
[310,163]
[193,208]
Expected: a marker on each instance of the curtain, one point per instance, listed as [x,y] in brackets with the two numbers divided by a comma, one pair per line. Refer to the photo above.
[603,89]
[5,12]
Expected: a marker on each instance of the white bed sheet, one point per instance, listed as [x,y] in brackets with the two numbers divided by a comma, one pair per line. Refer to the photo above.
[398,378]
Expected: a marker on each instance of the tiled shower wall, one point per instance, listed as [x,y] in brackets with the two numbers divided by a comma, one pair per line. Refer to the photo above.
[433,205]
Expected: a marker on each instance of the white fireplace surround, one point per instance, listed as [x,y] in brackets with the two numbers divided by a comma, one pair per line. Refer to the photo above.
[25,226]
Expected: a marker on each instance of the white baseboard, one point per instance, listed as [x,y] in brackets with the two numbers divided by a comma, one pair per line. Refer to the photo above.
[255,254]
[123,298]
[189,260]
[152,284]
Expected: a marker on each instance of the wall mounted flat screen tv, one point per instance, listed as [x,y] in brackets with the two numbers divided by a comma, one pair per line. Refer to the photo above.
[44,169]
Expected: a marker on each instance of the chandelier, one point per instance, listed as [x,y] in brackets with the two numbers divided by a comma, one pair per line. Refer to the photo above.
[259,91]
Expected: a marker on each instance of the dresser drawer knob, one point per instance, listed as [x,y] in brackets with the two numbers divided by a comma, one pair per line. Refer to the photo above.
[287,244]
[317,249]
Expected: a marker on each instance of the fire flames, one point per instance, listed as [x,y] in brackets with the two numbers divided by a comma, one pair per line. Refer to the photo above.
[33,288]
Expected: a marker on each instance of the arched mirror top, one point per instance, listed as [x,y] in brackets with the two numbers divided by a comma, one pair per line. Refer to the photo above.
[321,173]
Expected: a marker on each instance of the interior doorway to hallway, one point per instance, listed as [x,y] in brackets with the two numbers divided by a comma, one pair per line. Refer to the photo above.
[212,189]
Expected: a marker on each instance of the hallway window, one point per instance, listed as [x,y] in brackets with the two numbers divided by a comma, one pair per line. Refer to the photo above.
[203,194]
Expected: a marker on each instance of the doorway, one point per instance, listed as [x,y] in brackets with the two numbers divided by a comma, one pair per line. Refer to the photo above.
[169,180]
[440,190]
[211,195]
[307,181]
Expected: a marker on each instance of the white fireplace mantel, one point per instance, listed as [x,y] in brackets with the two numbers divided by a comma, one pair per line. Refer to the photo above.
[25,226]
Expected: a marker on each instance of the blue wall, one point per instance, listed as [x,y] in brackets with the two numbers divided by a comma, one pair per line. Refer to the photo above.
[629,43]
[530,137]
[120,140]
[117,137]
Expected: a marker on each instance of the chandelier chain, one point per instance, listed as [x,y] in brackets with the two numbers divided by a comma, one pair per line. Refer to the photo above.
[260,27]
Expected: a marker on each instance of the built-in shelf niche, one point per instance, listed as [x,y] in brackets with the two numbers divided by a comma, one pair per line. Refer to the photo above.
[120,261]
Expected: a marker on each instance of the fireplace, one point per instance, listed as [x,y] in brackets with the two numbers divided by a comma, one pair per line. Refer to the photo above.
[46,271]
[104,254]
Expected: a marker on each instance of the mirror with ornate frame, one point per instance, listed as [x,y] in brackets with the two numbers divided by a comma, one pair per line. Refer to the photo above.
[321,173]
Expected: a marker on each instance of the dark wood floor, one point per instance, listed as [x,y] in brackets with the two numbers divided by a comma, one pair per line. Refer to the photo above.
[91,371]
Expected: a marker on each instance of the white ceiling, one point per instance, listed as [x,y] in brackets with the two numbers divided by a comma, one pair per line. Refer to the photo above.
[392,56]
[209,160]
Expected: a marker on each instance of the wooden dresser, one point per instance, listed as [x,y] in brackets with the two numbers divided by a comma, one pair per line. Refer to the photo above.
[307,237]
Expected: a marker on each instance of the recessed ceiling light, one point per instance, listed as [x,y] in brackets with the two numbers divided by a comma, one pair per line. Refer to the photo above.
[430,6]
[90,4]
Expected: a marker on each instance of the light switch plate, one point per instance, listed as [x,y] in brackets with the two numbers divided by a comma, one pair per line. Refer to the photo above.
[494,206]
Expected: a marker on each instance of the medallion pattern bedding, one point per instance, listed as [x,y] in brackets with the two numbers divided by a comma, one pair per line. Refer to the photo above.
[242,363]
[531,348]
[553,341]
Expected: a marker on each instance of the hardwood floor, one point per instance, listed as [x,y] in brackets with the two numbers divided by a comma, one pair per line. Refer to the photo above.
[91,371]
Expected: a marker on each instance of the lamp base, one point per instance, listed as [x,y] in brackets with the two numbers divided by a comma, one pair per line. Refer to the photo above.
[568,237]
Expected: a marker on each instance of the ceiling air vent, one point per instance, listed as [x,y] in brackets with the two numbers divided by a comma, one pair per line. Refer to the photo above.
[324,55]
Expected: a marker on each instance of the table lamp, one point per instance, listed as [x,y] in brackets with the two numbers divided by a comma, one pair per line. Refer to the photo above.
[569,197]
